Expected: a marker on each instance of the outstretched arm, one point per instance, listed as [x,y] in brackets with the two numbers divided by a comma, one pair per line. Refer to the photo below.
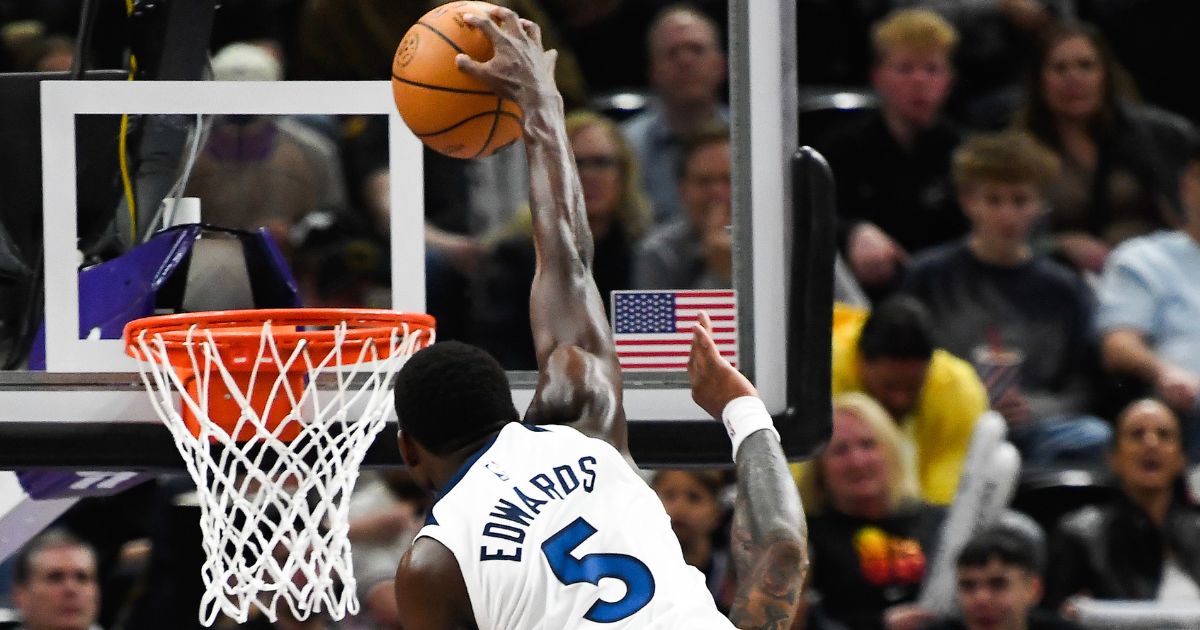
[579,379]
[770,538]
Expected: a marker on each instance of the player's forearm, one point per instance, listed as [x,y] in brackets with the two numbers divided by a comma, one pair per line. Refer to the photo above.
[560,226]
[565,305]
[766,483]
[770,538]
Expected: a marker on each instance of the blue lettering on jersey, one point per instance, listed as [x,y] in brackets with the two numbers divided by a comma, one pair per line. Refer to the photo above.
[590,482]
[534,505]
[509,519]
[507,532]
[507,510]
[543,483]
[567,486]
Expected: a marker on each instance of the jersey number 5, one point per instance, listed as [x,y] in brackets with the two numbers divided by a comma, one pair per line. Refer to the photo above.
[639,583]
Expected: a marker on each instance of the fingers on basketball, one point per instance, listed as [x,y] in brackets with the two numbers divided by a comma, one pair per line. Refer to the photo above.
[507,18]
[469,66]
[532,30]
[485,23]
[448,101]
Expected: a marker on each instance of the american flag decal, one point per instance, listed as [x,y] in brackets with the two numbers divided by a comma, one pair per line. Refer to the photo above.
[653,329]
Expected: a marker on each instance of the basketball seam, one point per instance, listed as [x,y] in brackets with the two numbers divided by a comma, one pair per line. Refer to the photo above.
[464,121]
[444,38]
[439,87]
[492,131]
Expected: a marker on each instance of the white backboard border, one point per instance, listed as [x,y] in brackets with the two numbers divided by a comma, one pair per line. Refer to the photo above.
[62,101]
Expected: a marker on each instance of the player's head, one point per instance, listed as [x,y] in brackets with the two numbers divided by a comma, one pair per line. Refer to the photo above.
[894,351]
[912,71]
[449,397]
[999,580]
[56,589]
[704,174]
[1000,179]
[687,66]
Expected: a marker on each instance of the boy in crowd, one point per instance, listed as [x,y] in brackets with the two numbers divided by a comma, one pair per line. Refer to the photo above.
[999,583]
[1021,318]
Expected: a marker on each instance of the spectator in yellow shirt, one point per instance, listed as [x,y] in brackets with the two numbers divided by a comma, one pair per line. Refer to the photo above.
[934,396]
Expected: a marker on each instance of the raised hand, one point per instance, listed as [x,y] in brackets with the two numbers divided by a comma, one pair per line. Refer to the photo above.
[520,69]
[714,380]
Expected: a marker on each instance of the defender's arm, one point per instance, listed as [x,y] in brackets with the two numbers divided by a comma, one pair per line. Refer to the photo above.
[770,537]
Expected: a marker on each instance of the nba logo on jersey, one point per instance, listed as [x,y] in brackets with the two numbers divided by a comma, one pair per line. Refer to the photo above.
[495,469]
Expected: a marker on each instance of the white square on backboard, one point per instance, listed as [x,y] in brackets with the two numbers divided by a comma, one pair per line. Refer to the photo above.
[63,100]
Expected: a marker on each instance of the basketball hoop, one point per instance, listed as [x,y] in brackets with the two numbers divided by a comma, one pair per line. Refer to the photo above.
[273,411]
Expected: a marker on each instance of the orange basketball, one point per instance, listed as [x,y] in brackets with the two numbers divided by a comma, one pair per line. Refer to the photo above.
[450,112]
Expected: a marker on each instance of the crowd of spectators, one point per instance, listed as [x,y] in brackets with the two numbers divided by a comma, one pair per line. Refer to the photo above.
[1020,207]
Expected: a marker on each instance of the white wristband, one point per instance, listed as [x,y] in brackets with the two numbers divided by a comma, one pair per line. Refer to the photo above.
[744,416]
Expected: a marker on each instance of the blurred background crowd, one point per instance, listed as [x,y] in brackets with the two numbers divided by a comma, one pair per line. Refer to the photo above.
[1018,207]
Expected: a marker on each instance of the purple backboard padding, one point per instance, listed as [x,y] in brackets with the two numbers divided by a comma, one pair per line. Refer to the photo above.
[57,484]
[118,291]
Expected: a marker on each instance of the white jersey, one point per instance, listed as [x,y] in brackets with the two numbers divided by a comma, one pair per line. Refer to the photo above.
[554,530]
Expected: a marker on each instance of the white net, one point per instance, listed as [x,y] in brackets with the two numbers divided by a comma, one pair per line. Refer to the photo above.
[274,510]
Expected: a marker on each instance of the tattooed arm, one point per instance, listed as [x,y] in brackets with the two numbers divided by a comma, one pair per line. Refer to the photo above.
[770,538]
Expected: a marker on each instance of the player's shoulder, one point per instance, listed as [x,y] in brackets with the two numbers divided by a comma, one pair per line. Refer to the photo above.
[430,588]
[534,440]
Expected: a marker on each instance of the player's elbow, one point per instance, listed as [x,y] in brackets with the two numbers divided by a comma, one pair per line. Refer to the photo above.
[787,547]
[784,563]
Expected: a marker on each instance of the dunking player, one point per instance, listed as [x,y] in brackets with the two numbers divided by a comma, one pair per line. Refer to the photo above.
[545,524]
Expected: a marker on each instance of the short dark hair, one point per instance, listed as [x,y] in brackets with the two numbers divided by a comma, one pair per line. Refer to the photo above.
[1003,544]
[899,328]
[714,133]
[49,539]
[1127,411]
[451,395]
[712,480]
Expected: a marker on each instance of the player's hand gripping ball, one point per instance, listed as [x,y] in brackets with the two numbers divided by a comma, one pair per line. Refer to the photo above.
[452,113]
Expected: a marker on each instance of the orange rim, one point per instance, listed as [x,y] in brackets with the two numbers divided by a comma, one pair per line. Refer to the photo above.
[240,331]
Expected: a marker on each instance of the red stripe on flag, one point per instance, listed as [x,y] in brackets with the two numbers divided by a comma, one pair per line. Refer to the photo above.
[704,294]
[663,366]
[657,342]
[716,329]
[655,366]
[659,353]
[715,318]
[713,306]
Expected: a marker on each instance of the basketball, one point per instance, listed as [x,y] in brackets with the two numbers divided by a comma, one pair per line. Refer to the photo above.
[452,113]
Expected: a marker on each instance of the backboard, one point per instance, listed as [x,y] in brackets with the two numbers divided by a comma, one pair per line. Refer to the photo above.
[88,408]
